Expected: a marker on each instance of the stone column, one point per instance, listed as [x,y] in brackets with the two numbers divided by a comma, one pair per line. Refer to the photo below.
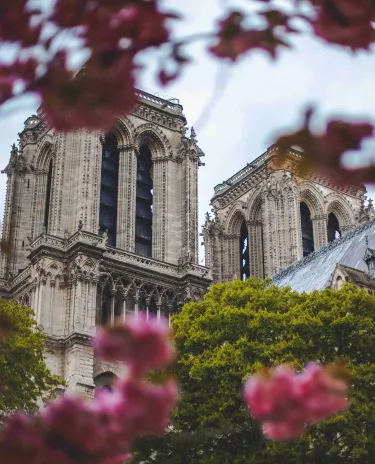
[126,198]
[7,219]
[159,209]
[113,299]
[320,231]
[232,269]
[255,249]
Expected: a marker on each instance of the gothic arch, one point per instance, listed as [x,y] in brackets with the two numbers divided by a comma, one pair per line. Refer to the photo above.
[43,196]
[43,155]
[123,130]
[313,199]
[154,138]
[254,206]
[341,209]
[234,220]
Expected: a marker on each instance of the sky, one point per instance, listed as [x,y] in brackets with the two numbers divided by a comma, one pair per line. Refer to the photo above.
[257,98]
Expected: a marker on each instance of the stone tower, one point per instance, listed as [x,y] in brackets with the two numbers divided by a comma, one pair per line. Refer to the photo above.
[267,216]
[100,225]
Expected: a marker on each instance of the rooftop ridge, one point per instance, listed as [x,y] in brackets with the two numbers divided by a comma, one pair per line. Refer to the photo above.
[314,255]
[241,174]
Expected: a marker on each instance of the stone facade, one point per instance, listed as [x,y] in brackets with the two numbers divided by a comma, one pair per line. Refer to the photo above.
[277,216]
[60,262]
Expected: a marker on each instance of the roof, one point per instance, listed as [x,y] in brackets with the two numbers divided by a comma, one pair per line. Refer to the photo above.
[357,276]
[314,272]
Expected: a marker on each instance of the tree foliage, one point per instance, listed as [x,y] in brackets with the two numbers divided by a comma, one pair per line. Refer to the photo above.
[24,374]
[243,327]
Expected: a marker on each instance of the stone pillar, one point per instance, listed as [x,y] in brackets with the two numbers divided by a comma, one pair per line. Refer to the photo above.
[159,209]
[113,300]
[270,233]
[232,269]
[320,231]
[79,366]
[7,219]
[126,198]
[256,249]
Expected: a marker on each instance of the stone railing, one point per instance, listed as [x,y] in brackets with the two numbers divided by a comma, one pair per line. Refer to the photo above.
[4,284]
[160,102]
[88,238]
[141,261]
[20,277]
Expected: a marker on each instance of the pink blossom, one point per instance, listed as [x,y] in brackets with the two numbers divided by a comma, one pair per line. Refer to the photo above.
[148,406]
[287,401]
[143,344]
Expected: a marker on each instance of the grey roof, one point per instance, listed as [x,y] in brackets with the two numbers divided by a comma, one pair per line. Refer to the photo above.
[357,276]
[315,271]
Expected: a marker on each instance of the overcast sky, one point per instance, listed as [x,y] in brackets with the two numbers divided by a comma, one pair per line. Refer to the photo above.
[261,97]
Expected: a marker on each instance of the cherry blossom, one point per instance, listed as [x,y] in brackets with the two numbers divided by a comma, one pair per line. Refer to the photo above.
[143,344]
[286,401]
[73,431]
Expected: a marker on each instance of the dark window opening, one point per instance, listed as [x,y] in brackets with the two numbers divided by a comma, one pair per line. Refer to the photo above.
[144,203]
[106,307]
[307,230]
[153,309]
[23,243]
[28,183]
[48,196]
[109,189]
[244,252]
[333,228]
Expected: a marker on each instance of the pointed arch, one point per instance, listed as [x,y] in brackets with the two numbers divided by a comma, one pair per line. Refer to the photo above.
[43,189]
[341,209]
[313,199]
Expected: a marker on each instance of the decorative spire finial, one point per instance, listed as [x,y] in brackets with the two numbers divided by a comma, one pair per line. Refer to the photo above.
[193,134]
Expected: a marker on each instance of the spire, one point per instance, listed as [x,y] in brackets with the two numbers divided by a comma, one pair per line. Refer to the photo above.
[193,134]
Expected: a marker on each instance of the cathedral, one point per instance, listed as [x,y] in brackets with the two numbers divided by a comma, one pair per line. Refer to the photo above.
[101,225]
[268,216]
[98,226]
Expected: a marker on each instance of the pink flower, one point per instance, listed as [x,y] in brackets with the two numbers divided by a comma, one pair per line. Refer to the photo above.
[21,440]
[287,401]
[143,344]
[346,22]
[148,406]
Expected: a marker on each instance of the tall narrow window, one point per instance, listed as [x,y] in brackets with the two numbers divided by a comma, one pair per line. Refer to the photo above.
[48,196]
[333,228]
[109,189]
[143,219]
[244,252]
[307,230]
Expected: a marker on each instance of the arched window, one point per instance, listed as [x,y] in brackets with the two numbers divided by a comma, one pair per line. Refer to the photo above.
[244,252]
[109,188]
[307,230]
[48,196]
[104,381]
[333,228]
[144,200]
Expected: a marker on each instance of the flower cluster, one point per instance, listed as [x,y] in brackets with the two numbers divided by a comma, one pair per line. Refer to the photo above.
[113,32]
[286,401]
[234,39]
[72,431]
[346,22]
[324,152]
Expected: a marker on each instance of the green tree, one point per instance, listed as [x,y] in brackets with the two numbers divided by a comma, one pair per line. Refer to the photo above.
[24,374]
[242,327]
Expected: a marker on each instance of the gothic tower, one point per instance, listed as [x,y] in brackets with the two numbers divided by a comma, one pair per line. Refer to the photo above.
[100,225]
[268,215]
